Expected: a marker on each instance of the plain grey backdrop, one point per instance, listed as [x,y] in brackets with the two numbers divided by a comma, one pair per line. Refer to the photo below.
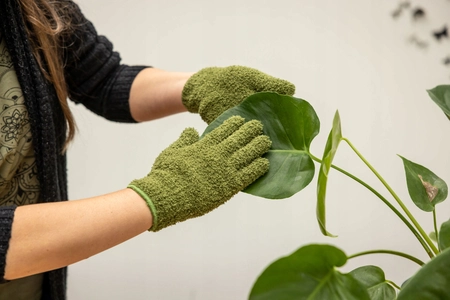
[349,55]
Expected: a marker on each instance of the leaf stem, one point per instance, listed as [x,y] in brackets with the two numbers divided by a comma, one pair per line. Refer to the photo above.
[402,205]
[395,210]
[393,284]
[392,252]
[436,228]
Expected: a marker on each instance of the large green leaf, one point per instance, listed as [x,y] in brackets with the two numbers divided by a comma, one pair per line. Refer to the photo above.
[444,235]
[291,124]
[441,96]
[308,273]
[372,278]
[334,138]
[425,188]
[431,282]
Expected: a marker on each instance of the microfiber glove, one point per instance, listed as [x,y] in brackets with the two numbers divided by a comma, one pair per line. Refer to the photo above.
[211,91]
[194,176]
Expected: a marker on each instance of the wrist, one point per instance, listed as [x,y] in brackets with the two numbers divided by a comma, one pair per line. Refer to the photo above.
[149,204]
[157,93]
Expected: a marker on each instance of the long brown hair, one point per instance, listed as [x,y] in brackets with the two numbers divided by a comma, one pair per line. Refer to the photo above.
[46,25]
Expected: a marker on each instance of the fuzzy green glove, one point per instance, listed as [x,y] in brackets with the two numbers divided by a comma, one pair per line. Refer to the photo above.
[193,176]
[211,91]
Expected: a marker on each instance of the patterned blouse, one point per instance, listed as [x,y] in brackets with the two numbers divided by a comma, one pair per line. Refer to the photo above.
[18,175]
[19,183]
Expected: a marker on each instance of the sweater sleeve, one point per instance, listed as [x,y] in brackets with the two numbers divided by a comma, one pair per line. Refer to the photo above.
[6,220]
[93,71]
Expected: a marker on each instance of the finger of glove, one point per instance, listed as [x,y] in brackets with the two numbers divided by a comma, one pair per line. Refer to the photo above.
[242,137]
[222,132]
[256,169]
[253,150]
[188,137]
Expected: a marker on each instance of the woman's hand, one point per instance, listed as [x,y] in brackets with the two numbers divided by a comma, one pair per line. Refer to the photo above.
[193,176]
[211,91]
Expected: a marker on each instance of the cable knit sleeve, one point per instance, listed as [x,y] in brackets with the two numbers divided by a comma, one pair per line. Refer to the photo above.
[6,220]
[93,71]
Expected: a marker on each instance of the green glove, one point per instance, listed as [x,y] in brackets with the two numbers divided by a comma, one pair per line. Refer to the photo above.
[192,177]
[211,91]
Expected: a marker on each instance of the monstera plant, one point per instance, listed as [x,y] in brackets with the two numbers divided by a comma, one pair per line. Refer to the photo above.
[312,272]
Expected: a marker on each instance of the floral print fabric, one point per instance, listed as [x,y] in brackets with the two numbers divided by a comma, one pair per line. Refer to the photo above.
[19,183]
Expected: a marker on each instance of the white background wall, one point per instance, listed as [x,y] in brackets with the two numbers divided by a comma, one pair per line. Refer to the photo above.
[346,55]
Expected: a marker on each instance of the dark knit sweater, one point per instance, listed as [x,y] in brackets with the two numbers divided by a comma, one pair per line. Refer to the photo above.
[95,78]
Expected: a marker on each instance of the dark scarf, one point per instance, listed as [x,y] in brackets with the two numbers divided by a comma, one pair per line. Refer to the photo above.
[47,124]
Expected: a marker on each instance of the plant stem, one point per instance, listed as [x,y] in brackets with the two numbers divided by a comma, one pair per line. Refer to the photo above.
[393,284]
[395,210]
[435,227]
[405,209]
[392,252]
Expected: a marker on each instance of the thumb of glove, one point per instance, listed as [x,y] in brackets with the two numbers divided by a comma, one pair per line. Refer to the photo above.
[187,137]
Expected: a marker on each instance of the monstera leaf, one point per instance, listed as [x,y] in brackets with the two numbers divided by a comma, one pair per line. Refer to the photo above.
[425,188]
[309,273]
[431,282]
[441,96]
[291,123]
[334,138]
[372,278]
[444,235]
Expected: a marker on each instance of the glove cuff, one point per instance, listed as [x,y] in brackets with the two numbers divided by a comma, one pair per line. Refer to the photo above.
[150,205]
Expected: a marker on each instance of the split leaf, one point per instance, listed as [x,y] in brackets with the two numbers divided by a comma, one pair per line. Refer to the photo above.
[372,278]
[425,188]
[308,273]
[431,282]
[444,236]
[291,123]
[441,96]
[334,138]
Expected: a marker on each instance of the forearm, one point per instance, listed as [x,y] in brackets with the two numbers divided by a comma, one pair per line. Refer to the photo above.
[53,235]
[156,93]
